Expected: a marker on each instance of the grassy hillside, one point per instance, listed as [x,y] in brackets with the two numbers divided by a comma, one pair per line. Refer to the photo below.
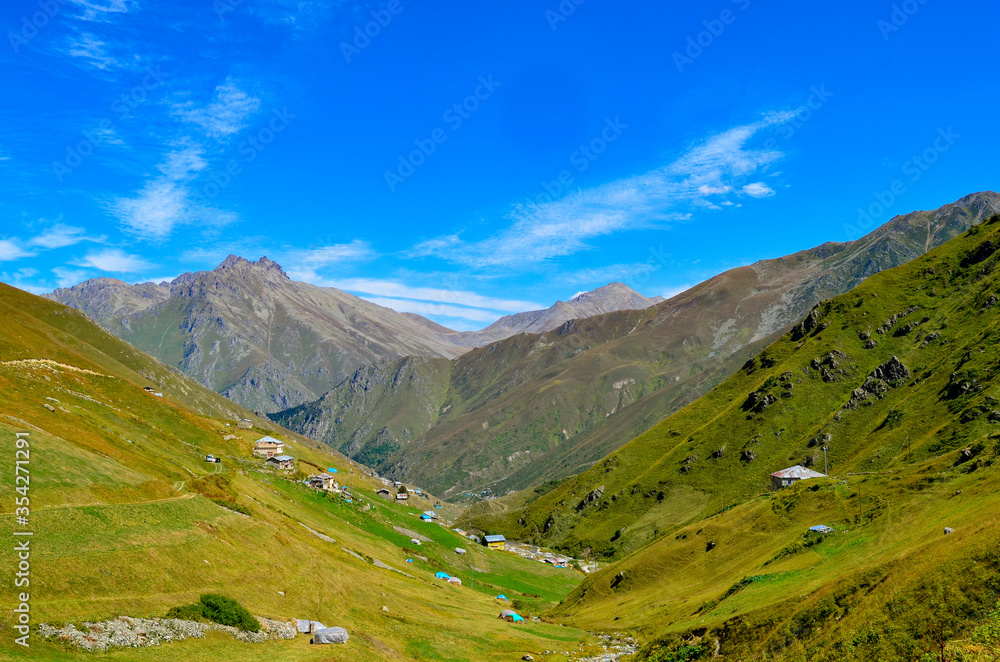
[900,380]
[534,408]
[128,519]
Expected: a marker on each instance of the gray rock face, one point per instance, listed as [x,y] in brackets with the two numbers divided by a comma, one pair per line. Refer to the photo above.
[594,496]
[879,382]
[246,330]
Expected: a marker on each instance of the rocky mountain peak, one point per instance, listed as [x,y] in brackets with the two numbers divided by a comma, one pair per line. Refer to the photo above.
[263,266]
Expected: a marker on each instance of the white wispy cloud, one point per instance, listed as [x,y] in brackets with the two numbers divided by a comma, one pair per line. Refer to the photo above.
[307,260]
[425,309]
[101,11]
[113,260]
[61,236]
[69,277]
[400,291]
[11,249]
[89,50]
[537,233]
[228,112]
[167,201]
[758,190]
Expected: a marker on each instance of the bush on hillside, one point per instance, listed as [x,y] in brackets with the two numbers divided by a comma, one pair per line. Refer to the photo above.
[218,609]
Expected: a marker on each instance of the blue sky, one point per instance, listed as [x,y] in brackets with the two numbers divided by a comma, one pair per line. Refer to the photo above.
[468,160]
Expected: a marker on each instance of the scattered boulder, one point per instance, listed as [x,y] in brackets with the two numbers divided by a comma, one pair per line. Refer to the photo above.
[748,456]
[757,402]
[807,325]
[549,523]
[891,322]
[948,530]
[722,451]
[891,371]
[527,658]
[595,495]
[710,546]
[879,382]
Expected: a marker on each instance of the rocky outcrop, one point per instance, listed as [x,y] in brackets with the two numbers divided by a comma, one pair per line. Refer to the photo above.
[884,377]
[593,497]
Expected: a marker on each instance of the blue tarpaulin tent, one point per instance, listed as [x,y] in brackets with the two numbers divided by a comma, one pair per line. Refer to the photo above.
[442,575]
[332,470]
[502,597]
[511,616]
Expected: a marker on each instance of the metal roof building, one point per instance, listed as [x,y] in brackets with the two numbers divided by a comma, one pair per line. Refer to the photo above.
[790,476]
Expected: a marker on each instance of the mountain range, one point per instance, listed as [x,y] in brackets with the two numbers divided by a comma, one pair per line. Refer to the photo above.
[540,407]
[893,391]
[413,400]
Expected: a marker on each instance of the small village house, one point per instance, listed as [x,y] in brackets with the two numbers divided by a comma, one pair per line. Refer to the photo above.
[787,477]
[402,496]
[495,542]
[281,462]
[268,447]
[244,424]
[323,481]
[430,514]
[385,494]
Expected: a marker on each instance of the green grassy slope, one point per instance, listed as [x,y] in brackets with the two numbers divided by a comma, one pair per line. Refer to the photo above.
[917,444]
[126,518]
[534,408]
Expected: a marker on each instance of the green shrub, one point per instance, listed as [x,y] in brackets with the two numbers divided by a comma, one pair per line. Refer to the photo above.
[227,611]
[218,609]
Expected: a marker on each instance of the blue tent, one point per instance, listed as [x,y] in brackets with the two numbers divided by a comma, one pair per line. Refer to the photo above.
[442,575]
[409,560]
[516,618]
[332,470]
[426,518]
[502,597]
